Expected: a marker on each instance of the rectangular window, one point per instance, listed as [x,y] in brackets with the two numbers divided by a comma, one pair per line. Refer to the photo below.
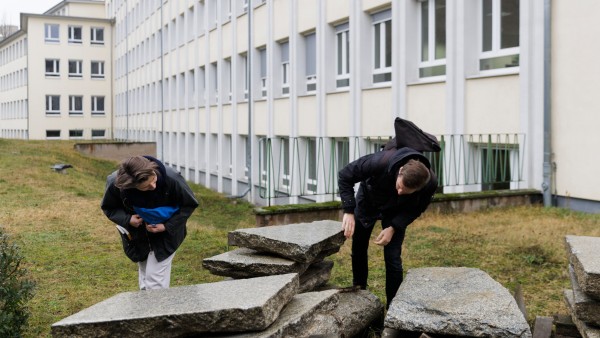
[342,33]
[263,72]
[97,69]
[52,68]
[285,162]
[214,71]
[495,169]
[53,134]
[51,32]
[98,133]
[52,104]
[75,68]
[285,68]
[311,166]
[76,133]
[245,76]
[500,26]
[382,46]
[97,36]
[97,105]
[75,105]
[227,79]
[74,34]
[433,38]
[310,41]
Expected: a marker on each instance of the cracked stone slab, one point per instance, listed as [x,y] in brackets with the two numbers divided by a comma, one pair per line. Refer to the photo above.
[245,263]
[585,330]
[455,301]
[584,256]
[301,242]
[229,306]
[585,308]
[316,275]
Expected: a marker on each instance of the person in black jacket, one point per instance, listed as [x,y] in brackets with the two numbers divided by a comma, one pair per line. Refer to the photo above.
[396,186]
[151,203]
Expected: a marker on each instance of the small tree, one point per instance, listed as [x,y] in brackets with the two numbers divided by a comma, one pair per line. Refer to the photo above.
[15,290]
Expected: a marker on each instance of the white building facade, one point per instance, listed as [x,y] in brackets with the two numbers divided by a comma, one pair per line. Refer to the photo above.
[55,74]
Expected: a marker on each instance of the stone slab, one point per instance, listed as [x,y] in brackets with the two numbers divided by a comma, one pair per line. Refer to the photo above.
[585,258]
[316,275]
[586,308]
[247,263]
[585,330]
[455,301]
[301,242]
[564,326]
[229,306]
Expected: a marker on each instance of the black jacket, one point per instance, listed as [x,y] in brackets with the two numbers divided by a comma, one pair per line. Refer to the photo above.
[377,197]
[171,190]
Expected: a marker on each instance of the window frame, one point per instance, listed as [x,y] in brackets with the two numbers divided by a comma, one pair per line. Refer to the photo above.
[342,62]
[311,79]
[381,45]
[285,68]
[262,55]
[56,68]
[50,109]
[71,131]
[432,24]
[53,137]
[79,69]
[94,35]
[496,36]
[73,105]
[48,36]
[71,32]
[95,102]
[101,70]
[96,136]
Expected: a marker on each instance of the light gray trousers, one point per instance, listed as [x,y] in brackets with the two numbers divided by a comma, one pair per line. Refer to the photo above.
[153,274]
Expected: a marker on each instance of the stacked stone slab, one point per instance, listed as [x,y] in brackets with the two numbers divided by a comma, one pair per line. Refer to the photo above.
[300,248]
[583,299]
[462,302]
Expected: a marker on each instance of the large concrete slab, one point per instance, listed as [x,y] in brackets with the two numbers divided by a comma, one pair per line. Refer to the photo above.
[585,258]
[316,275]
[229,306]
[585,330]
[247,263]
[301,242]
[585,308]
[455,301]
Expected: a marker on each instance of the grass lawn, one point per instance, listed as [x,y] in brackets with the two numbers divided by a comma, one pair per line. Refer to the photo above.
[74,255]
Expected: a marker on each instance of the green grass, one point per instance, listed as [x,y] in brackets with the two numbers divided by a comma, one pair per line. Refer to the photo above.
[74,253]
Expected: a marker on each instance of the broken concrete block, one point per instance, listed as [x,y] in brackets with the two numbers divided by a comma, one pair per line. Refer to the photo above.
[247,263]
[316,275]
[301,242]
[455,301]
[583,255]
[229,306]
[586,309]
[585,330]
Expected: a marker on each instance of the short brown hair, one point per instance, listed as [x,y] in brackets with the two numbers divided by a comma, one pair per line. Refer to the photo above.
[415,174]
[133,171]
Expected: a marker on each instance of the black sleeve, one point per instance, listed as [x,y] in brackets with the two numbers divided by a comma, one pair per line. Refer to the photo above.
[355,172]
[112,205]
[185,199]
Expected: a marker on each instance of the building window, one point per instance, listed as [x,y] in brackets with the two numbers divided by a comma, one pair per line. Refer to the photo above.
[98,133]
[53,134]
[263,71]
[310,41]
[311,166]
[97,105]
[342,33]
[227,80]
[52,104]
[75,105]
[382,46]
[74,34]
[499,34]
[51,32]
[214,71]
[97,36]
[76,133]
[285,162]
[245,76]
[52,67]
[75,68]
[97,69]
[433,38]
[285,68]
[495,169]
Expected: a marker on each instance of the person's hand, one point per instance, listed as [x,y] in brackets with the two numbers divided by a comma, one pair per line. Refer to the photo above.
[385,236]
[154,228]
[135,220]
[348,225]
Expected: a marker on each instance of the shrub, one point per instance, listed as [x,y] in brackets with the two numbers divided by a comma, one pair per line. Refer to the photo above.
[15,290]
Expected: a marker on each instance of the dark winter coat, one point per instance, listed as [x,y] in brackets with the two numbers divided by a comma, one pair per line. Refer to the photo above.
[377,197]
[171,190]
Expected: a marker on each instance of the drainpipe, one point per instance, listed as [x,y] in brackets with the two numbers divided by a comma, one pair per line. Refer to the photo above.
[547,174]
[162,81]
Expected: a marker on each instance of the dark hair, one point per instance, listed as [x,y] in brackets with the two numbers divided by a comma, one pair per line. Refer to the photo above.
[133,171]
[415,174]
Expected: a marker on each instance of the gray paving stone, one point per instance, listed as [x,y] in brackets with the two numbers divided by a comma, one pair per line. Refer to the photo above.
[585,257]
[316,275]
[301,242]
[586,308]
[455,301]
[229,306]
[247,263]
[585,330]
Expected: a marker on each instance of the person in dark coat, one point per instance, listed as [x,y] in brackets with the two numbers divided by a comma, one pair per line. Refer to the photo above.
[150,204]
[396,187]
